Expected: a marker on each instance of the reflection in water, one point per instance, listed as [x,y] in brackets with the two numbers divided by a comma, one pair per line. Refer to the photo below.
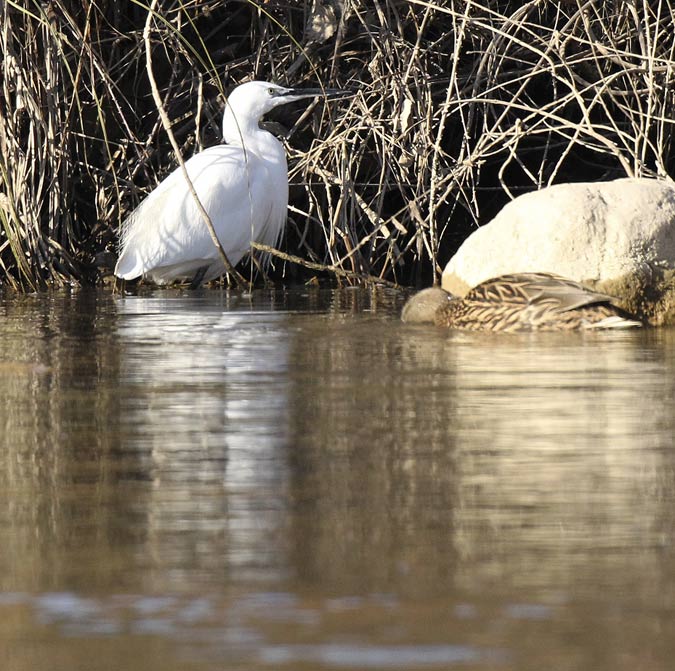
[574,462]
[57,426]
[211,412]
[295,478]
[475,456]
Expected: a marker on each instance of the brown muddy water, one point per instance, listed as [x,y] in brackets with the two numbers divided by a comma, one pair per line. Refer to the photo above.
[296,480]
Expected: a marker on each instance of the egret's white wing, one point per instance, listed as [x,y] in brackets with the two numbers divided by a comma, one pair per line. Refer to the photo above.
[241,194]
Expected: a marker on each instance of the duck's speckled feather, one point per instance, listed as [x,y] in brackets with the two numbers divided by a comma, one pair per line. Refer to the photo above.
[532,301]
[519,302]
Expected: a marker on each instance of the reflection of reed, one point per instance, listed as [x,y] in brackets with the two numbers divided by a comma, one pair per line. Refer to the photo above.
[463,458]
[372,448]
[60,355]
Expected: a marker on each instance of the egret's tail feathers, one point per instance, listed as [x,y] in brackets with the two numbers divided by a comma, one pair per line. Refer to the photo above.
[128,266]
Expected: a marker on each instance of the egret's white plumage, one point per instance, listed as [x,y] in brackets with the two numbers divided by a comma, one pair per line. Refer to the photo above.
[243,185]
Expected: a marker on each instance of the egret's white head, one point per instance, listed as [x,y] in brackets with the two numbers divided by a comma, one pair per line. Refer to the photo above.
[249,102]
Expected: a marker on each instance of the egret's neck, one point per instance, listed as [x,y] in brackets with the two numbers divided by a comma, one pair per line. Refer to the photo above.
[245,132]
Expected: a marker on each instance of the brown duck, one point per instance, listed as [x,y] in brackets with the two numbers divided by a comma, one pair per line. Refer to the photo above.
[520,302]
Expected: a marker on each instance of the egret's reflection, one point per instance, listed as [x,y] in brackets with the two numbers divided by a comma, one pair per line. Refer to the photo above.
[210,403]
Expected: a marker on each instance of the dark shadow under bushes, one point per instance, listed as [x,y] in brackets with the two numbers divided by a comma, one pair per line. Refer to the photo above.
[460,106]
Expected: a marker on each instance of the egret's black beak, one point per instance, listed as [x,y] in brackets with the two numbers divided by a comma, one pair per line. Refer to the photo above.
[313,93]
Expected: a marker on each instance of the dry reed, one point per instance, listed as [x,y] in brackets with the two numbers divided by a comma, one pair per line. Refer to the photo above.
[460,106]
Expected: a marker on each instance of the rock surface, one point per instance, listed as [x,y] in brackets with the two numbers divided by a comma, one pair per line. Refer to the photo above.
[617,237]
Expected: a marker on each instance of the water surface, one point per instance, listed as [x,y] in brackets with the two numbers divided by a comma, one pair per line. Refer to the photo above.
[293,479]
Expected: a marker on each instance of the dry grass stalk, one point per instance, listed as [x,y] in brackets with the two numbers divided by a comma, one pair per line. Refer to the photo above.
[460,106]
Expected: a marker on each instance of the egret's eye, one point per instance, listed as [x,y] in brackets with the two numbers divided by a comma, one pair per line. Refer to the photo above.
[271,91]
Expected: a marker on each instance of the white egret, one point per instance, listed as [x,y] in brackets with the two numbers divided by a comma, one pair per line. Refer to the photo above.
[243,185]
